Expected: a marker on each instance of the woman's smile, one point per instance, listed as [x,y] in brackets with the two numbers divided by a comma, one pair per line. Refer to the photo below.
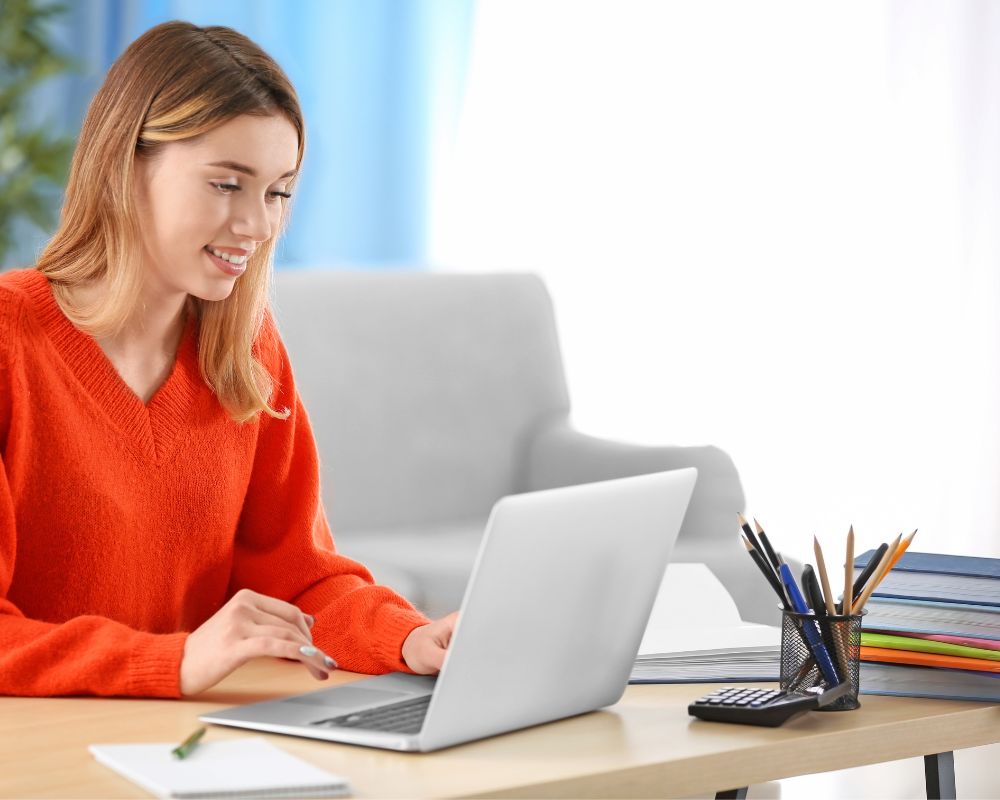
[232,265]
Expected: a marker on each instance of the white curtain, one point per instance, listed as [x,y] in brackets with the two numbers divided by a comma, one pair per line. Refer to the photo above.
[770,226]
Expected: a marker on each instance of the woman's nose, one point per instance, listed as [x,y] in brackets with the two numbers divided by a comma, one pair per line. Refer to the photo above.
[252,221]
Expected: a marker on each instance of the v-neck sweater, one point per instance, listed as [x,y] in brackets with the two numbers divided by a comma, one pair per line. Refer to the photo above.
[124,526]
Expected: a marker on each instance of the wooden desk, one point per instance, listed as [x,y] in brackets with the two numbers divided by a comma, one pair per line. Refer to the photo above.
[645,746]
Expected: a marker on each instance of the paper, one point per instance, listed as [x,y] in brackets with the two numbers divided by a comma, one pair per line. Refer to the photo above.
[695,633]
[251,768]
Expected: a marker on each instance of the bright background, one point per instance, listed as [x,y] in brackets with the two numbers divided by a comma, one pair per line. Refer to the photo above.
[768,226]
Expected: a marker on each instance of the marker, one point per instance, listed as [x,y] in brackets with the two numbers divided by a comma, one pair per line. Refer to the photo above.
[183,750]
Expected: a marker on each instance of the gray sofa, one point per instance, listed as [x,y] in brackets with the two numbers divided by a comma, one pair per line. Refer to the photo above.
[432,395]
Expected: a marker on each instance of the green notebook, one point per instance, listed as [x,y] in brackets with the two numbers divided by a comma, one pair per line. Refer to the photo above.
[926,646]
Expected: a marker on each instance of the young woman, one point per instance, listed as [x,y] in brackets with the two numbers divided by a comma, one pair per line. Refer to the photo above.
[160,520]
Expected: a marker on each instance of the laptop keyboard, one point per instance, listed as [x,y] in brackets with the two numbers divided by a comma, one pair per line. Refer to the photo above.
[405,717]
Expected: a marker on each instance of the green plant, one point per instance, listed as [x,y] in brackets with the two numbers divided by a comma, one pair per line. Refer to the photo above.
[33,162]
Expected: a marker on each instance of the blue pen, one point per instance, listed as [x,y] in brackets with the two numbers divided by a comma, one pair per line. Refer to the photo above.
[809,627]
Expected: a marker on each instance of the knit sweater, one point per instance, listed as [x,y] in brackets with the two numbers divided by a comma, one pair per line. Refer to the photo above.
[124,526]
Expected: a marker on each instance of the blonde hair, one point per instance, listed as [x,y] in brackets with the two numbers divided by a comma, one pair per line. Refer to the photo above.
[174,82]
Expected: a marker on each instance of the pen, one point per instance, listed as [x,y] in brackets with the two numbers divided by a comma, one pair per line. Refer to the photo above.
[827,627]
[809,628]
[183,750]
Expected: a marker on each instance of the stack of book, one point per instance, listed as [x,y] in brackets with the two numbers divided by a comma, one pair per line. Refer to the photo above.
[933,628]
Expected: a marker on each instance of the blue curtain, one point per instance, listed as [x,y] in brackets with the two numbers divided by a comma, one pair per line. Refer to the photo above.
[377,80]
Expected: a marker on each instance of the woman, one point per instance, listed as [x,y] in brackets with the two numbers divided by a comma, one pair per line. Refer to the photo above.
[160,520]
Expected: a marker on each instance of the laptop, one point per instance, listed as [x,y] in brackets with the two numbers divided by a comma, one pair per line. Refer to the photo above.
[550,624]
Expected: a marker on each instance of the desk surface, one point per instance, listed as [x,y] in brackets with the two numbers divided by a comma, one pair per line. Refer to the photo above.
[645,746]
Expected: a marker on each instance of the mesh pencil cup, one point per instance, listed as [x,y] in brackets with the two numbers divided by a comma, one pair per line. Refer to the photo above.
[842,637]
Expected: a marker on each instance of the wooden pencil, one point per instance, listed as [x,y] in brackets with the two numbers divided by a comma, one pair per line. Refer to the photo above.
[847,604]
[824,579]
[880,573]
[767,546]
[902,549]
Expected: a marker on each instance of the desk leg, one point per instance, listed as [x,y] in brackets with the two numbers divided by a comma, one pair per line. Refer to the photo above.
[732,794]
[939,771]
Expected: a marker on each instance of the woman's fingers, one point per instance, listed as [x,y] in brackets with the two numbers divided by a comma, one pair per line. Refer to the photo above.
[282,610]
[307,652]
[280,646]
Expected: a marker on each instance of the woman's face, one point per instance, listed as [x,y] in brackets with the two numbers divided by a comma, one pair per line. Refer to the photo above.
[221,194]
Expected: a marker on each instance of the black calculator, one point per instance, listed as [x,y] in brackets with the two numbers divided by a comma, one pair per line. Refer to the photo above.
[755,706]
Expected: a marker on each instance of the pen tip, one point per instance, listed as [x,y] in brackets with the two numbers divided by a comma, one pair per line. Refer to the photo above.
[851,531]
[757,525]
[746,542]
[741,518]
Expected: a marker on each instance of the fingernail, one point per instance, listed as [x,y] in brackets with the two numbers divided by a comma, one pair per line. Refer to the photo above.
[308,650]
[329,662]
[310,620]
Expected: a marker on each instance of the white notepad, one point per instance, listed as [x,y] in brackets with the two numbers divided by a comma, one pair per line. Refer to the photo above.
[251,768]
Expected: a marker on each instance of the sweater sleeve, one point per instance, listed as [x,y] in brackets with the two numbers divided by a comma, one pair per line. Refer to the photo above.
[88,655]
[285,549]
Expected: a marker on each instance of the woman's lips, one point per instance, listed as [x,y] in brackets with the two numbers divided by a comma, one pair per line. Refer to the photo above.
[234,270]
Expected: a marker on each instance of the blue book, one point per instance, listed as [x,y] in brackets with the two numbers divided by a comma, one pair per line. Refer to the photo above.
[975,621]
[939,578]
[912,681]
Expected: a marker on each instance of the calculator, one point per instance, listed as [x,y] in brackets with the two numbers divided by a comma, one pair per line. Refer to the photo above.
[755,706]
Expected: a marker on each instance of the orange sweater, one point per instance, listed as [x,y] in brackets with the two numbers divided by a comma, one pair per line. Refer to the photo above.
[125,526]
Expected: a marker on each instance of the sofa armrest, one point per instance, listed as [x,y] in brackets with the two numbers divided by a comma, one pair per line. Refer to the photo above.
[559,455]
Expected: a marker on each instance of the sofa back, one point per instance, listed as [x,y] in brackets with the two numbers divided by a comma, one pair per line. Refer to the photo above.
[421,387]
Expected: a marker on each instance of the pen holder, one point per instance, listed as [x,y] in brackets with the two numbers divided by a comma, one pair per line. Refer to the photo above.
[799,669]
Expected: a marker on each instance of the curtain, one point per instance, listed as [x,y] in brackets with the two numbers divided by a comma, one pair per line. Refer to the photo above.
[770,226]
[380,83]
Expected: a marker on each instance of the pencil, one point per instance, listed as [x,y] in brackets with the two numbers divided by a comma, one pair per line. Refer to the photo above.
[767,545]
[749,533]
[902,549]
[824,579]
[758,559]
[847,603]
[869,569]
[883,568]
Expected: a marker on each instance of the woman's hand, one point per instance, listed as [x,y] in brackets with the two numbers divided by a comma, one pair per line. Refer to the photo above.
[424,649]
[249,626]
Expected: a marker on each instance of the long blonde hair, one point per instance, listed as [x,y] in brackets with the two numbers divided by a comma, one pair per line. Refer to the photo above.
[174,82]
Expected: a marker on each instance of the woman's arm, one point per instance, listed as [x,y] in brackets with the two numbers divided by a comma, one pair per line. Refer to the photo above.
[84,655]
[284,547]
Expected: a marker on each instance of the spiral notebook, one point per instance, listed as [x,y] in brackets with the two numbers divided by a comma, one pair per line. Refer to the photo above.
[249,768]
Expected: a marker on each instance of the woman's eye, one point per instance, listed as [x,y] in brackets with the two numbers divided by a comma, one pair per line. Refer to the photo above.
[226,188]
[284,195]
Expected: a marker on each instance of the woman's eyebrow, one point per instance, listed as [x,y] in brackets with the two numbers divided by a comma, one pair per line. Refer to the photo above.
[237,167]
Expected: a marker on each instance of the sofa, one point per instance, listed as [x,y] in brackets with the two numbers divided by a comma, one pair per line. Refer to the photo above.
[433,394]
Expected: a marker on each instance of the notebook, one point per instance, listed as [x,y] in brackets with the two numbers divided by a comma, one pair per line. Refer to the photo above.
[250,768]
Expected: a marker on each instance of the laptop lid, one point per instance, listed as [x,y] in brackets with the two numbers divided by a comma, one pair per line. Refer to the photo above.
[557,604]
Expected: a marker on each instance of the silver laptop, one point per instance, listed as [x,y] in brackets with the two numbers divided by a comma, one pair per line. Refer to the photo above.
[550,624]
